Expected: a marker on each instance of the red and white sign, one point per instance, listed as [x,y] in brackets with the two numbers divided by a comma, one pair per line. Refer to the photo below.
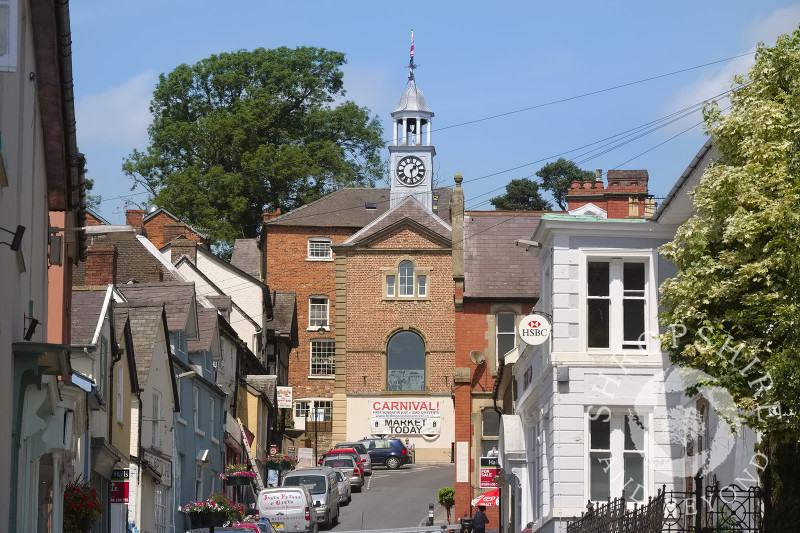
[488,471]
[534,329]
[120,485]
[284,397]
[405,417]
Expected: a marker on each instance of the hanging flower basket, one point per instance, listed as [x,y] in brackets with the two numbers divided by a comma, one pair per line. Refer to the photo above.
[208,519]
[215,511]
[237,475]
[280,462]
[82,507]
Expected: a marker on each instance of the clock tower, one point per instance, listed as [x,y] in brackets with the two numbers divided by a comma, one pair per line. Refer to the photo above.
[411,152]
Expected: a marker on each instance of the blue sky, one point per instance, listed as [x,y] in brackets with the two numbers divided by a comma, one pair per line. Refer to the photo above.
[476,60]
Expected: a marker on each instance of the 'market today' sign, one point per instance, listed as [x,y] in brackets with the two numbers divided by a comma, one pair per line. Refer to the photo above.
[534,329]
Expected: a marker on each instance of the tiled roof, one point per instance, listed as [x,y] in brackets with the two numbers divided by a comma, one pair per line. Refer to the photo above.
[494,267]
[86,308]
[263,384]
[284,309]
[247,257]
[346,208]
[408,210]
[145,321]
[176,297]
[206,322]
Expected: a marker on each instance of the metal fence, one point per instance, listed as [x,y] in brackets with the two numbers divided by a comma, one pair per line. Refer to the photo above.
[730,509]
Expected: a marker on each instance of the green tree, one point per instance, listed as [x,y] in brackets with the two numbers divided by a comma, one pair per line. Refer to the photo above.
[447,499]
[557,177]
[737,288]
[237,133]
[521,195]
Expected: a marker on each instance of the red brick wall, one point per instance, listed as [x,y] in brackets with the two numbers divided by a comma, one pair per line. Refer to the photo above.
[157,233]
[101,264]
[287,270]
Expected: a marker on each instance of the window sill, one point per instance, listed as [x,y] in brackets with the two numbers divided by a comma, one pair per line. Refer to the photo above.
[326,376]
[182,421]
[319,259]
[405,392]
[199,432]
[214,441]
[406,298]
[316,328]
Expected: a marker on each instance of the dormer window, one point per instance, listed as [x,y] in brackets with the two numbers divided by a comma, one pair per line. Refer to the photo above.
[319,249]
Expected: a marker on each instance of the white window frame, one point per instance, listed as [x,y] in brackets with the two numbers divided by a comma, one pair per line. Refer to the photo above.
[616,297]
[161,497]
[320,364]
[415,286]
[617,451]
[316,249]
[315,323]
[8,61]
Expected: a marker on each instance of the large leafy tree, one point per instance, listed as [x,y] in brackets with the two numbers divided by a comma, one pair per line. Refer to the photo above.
[737,288]
[557,177]
[521,195]
[237,133]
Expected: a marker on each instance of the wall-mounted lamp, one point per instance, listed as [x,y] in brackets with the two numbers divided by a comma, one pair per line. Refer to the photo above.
[31,324]
[188,374]
[522,243]
[16,242]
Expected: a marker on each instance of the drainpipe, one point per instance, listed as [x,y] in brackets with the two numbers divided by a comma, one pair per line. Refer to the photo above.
[495,388]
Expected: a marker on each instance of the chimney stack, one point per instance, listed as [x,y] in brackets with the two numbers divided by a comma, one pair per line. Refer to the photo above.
[101,264]
[270,216]
[183,246]
[134,217]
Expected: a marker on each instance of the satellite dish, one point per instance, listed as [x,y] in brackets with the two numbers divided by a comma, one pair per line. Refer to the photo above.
[477,357]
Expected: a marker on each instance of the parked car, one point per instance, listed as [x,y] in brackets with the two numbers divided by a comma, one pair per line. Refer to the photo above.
[345,492]
[288,508]
[262,526]
[321,483]
[391,453]
[366,462]
[345,451]
[348,467]
[219,529]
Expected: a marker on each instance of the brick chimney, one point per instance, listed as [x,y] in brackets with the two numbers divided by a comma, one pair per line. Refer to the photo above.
[135,218]
[101,264]
[270,216]
[173,230]
[183,246]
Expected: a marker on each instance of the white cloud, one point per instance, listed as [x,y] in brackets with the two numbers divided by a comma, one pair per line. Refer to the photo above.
[781,21]
[118,116]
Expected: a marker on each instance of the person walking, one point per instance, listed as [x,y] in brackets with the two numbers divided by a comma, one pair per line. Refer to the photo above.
[480,520]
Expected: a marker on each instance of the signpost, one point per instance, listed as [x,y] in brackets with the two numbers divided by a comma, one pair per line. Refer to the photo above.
[488,471]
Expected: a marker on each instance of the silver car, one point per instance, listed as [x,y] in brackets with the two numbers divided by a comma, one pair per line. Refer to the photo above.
[366,462]
[345,492]
[346,464]
[321,483]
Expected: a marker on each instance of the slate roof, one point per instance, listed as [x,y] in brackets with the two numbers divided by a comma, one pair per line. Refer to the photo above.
[263,384]
[221,302]
[410,210]
[284,311]
[145,321]
[176,297]
[346,208]
[247,257]
[494,267]
[206,322]
[86,308]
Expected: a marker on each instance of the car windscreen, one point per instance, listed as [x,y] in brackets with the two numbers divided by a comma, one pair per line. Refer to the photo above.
[356,446]
[315,484]
[340,462]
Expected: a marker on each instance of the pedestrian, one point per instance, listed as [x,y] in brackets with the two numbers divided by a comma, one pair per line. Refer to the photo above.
[528,528]
[480,520]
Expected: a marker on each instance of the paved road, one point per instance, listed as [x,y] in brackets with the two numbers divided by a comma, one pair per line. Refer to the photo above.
[398,498]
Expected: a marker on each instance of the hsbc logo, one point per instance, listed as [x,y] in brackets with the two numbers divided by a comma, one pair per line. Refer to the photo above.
[534,329]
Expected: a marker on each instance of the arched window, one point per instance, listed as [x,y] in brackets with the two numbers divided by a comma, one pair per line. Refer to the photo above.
[405,362]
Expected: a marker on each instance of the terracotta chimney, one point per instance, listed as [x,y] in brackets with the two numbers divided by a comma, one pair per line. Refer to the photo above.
[134,217]
[101,264]
[270,216]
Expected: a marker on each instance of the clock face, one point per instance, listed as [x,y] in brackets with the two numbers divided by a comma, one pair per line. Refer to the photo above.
[410,170]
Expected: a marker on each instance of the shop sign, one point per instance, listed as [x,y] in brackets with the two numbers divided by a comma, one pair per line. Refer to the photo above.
[488,471]
[534,329]
[120,479]
[405,418]
[284,397]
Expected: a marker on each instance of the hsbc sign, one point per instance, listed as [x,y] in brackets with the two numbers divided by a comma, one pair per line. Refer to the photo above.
[534,329]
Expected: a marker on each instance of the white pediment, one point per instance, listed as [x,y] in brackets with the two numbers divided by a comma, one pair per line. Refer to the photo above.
[591,210]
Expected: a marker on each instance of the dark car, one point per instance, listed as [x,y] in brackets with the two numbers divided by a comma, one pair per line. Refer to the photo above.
[391,453]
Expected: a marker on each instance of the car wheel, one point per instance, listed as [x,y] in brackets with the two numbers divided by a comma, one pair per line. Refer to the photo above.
[393,463]
[328,520]
[335,520]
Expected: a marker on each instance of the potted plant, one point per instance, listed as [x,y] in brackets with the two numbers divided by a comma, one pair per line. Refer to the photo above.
[82,507]
[280,462]
[215,511]
[447,499]
[237,474]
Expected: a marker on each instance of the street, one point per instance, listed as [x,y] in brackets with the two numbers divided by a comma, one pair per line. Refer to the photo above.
[397,498]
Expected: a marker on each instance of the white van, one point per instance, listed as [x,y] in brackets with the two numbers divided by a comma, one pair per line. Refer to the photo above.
[288,509]
[321,483]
